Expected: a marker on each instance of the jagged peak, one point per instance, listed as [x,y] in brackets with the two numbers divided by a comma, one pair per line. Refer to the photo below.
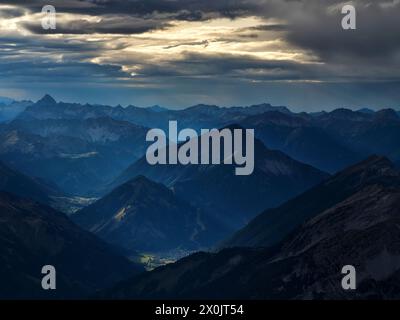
[142,181]
[47,99]
[376,160]
[375,164]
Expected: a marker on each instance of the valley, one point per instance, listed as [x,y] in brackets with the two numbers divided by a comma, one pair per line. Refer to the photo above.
[167,223]
[161,152]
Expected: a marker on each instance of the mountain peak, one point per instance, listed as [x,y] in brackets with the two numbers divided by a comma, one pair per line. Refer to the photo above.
[374,161]
[47,99]
[141,179]
[141,182]
[366,110]
[157,108]
[374,168]
[387,114]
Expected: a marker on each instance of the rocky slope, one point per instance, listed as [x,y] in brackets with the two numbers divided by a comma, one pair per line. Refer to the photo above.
[359,229]
[33,235]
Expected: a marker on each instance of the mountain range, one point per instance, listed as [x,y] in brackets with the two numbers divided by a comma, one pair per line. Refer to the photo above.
[196,117]
[232,199]
[69,143]
[311,205]
[329,141]
[272,225]
[359,228]
[75,154]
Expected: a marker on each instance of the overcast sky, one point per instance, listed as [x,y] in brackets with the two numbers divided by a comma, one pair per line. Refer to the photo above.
[183,52]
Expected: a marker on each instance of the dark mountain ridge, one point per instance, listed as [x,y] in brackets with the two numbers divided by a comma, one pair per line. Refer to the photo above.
[33,235]
[77,155]
[359,229]
[147,216]
[230,198]
[14,182]
[272,225]
[329,141]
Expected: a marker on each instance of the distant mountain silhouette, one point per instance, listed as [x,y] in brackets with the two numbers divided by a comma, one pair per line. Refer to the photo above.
[46,100]
[6,100]
[196,117]
[365,110]
[359,228]
[329,141]
[11,109]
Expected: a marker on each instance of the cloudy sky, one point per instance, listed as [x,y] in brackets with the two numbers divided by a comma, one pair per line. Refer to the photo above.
[182,52]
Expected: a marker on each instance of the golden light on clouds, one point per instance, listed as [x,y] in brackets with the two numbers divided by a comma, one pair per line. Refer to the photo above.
[208,50]
[219,36]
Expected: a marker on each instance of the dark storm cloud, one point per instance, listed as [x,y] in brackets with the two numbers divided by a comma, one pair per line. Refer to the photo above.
[183,9]
[310,24]
[46,71]
[11,12]
[269,27]
[377,35]
[109,24]
[311,28]
[249,68]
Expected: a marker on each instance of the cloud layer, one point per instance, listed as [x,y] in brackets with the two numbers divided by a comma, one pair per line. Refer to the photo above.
[173,52]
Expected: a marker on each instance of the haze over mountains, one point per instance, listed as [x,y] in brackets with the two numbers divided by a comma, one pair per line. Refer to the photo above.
[24,186]
[276,223]
[359,227]
[231,199]
[328,141]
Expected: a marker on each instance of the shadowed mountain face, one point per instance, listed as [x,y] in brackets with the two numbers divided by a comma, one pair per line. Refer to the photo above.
[10,110]
[271,226]
[69,144]
[329,141]
[19,184]
[147,216]
[77,155]
[295,248]
[233,199]
[359,229]
[33,235]
[82,147]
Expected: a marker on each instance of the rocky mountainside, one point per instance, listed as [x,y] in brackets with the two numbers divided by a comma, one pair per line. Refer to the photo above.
[77,155]
[359,229]
[147,216]
[21,185]
[233,199]
[272,225]
[33,235]
[329,141]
